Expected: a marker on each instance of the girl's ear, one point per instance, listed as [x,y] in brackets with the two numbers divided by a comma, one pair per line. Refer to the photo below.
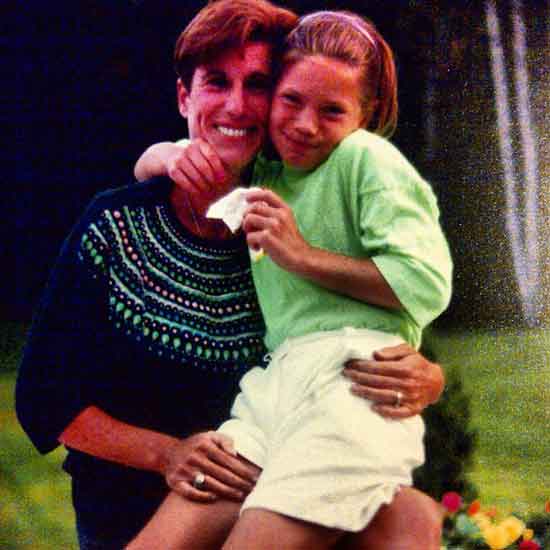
[183,98]
[369,112]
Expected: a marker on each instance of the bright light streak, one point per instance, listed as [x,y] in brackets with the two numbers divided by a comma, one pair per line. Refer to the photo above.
[523,242]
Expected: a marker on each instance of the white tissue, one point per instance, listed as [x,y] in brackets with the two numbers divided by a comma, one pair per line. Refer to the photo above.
[231,209]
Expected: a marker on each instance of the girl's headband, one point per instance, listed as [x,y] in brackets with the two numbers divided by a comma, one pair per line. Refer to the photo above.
[339,16]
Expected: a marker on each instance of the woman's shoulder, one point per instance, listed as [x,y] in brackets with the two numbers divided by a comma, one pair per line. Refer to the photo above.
[136,194]
[111,207]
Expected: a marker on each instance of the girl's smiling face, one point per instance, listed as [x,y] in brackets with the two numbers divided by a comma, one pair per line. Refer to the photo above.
[316,104]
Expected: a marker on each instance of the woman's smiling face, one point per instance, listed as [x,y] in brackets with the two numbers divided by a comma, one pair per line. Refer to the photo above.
[228,104]
[316,104]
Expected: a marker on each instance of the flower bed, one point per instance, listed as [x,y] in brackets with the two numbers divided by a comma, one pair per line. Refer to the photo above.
[471,526]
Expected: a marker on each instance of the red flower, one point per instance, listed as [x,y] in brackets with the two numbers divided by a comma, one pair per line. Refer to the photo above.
[547,506]
[529,545]
[451,501]
[474,508]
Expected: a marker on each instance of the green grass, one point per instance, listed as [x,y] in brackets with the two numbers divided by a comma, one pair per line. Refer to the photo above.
[35,509]
[505,373]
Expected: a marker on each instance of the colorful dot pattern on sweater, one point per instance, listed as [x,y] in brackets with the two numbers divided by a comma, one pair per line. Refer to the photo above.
[183,298]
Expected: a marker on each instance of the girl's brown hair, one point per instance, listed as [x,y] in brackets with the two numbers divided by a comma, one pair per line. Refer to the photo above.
[352,39]
[226,24]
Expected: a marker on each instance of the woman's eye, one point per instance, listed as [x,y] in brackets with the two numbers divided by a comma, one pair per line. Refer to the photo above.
[290,99]
[217,82]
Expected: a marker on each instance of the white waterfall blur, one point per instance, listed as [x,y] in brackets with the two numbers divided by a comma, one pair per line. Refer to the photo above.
[521,179]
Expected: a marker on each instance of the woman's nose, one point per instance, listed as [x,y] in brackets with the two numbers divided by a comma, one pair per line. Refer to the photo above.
[235,102]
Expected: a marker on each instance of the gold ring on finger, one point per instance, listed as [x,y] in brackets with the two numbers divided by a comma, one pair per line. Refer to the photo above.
[398,399]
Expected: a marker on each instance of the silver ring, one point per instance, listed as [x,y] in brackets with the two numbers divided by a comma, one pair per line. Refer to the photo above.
[398,399]
[199,480]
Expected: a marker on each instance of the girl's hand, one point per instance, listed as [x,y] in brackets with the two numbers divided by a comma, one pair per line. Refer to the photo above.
[396,369]
[212,455]
[270,224]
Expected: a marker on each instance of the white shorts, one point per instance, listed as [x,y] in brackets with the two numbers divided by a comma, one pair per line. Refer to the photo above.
[326,456]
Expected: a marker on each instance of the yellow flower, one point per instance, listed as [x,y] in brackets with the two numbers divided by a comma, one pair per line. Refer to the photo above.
[502,535]
[514,527]
[482,521]
[527,534]
[496,537]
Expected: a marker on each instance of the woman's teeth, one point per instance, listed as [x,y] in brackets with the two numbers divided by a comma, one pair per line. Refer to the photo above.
[231,132]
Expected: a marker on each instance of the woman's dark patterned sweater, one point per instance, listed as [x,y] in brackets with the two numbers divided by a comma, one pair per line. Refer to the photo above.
[144,320]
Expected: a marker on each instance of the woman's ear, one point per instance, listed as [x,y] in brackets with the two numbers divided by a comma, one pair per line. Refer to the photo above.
[183,98]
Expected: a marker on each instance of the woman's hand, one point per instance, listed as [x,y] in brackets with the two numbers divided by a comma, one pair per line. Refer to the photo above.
[396,369]
[212,455]
[269,224]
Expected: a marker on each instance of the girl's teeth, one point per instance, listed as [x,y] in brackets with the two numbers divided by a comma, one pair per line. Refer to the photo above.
[231,132]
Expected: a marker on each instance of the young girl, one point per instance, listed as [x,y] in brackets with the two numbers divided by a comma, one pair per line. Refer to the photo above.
[355,260]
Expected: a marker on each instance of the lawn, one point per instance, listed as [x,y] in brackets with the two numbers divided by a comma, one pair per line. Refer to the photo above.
[35,507]
[505,373]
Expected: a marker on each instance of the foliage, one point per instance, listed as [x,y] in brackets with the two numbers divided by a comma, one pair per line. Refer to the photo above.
[470,527]
[449,441]
[505,374]
[12,338]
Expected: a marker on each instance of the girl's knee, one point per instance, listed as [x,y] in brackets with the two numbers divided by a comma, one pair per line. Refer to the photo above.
[413,520]
[266,530]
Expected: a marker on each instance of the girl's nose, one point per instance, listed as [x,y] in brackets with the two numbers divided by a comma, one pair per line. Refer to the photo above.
[306,122]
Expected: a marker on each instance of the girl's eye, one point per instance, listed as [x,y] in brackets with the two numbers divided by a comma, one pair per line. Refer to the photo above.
[333,110]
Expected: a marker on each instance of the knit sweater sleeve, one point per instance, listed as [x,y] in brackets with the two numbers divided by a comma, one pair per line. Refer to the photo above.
[61,367]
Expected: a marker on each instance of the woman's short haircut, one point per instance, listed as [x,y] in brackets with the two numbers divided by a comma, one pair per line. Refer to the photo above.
[224,24]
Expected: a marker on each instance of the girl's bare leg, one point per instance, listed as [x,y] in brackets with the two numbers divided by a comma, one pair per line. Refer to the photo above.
[412,521]
[259,529]
[180,524]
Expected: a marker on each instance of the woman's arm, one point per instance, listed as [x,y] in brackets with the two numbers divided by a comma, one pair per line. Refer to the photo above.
[96,433]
